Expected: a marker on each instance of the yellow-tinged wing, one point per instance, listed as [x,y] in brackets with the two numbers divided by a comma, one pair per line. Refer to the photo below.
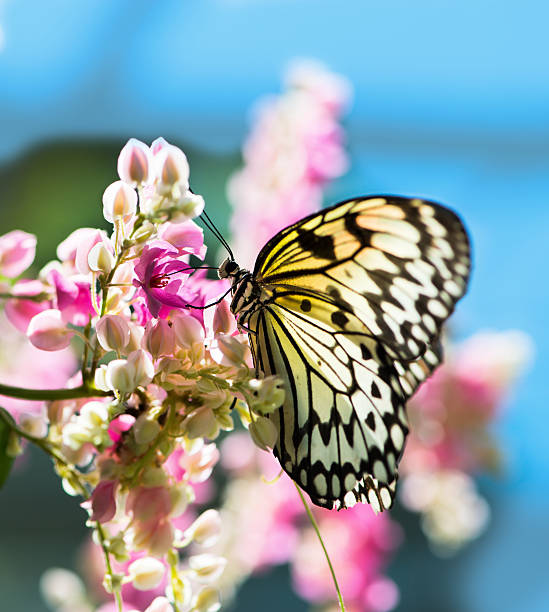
[357,295]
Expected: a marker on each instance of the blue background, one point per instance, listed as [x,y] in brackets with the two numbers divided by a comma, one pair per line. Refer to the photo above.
[451,102]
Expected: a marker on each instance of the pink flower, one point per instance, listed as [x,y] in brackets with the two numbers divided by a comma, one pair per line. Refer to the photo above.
[73,297]
[187,237]
[360,545]
[161,276]
[103,502]
[19,311]
[17,250]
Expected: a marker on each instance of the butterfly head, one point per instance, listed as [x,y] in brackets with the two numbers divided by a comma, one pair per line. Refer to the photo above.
[229,269]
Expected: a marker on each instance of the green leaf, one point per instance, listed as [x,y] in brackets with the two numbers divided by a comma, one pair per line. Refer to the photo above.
[5,431]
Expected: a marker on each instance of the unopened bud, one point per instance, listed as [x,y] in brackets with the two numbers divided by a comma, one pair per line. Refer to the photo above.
[207,567]
[119,201]
[145,429]
[146,573]
[188,331]
[206,529]
[48,332]
[159,338]
[187,207]
[172,168]
[134,162]
[100,259]
[264,432]
[113,332]
[207,600]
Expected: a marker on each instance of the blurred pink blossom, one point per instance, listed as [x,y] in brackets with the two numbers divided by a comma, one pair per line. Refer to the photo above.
[294,149]
[17,250]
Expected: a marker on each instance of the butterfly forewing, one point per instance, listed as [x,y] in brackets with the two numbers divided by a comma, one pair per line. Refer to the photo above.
[353,299]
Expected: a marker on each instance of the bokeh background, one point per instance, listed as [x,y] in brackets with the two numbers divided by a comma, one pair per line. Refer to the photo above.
[451,101]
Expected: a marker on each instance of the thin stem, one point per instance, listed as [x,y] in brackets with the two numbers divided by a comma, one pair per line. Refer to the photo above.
[317,530]
[115,588]
[52,394]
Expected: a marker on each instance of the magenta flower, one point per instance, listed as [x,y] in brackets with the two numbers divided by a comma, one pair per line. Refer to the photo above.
[161,276]
[72,297]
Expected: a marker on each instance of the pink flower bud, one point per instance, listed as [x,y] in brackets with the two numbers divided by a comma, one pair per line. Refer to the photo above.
[223,320]
[86,241]
[146,573]
[155,536]
[159,338]
[113,332]
[134,162]
[66,250]
[103,502]
[17,250]
[149,503]
[48,332]
[119,202]
[172,168]
[100,258]
[187,331]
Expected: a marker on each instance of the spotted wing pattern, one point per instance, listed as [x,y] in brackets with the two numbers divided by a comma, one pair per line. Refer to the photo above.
[353,302]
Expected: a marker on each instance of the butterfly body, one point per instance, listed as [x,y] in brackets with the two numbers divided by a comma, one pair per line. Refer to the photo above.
[346,306]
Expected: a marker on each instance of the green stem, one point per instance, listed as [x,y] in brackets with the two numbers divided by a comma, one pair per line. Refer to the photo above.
[317,530]
[115,589]
[52,394]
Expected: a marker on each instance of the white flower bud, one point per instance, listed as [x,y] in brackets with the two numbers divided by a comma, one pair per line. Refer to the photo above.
[146,573]
[206,529]
[119,202]
[62,588]
[100,380]
[134,162]
[172,168]
[207,567]
[143,367]
[188,331]
[230,350]
[187,207]
[100,258]
[207,600]
[35,425]
[264,432]
[120,376]
[113,332]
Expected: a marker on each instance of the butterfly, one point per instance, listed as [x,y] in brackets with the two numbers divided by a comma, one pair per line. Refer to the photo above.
[346,307]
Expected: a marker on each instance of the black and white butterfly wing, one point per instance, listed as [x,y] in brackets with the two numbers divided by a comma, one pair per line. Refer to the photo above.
[356,296]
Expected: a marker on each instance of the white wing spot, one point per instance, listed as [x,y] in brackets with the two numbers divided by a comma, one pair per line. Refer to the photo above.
[320,484]
[437,308]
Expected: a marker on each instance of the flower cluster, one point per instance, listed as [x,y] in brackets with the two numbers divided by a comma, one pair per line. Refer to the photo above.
[132,430]
[269,527]
[450,440]
[294,149]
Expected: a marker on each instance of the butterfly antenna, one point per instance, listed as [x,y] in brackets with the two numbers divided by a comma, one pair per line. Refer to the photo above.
[211,226]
